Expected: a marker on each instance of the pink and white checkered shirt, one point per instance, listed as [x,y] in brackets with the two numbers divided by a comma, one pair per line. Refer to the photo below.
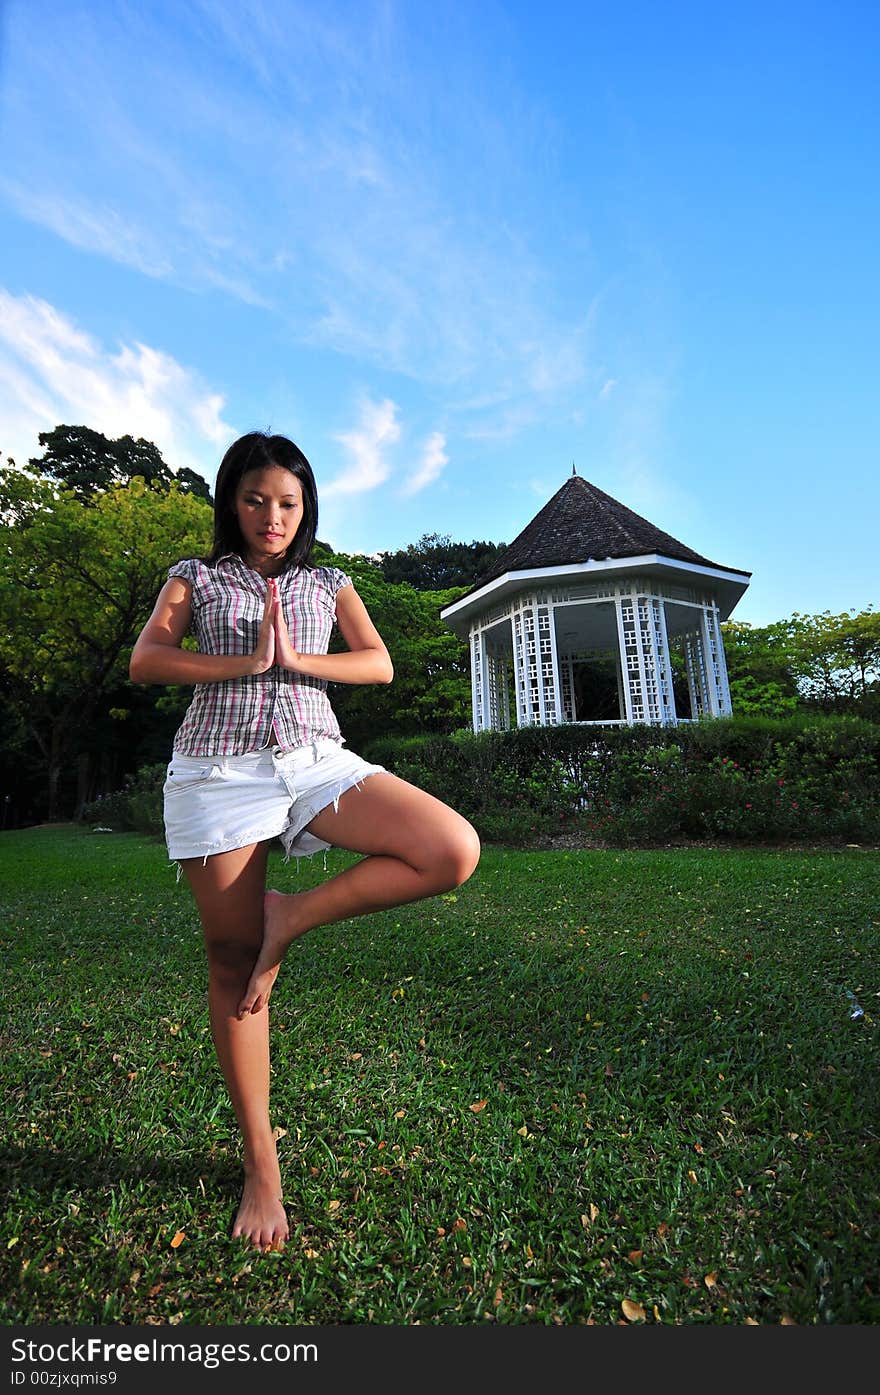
[277,707]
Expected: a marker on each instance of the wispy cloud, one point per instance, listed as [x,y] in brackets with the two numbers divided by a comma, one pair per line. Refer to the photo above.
[291,160]
[53,373]
[366,445]
[91,227]
[433,461]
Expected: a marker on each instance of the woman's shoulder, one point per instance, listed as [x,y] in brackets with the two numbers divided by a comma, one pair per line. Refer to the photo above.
[186,568]
[328,578]
[195,570]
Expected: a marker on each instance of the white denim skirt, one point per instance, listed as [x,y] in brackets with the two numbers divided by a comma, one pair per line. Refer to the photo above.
[216,803]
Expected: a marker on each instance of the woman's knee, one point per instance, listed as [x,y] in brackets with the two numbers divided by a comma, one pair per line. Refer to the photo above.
[456,855]
[230,960]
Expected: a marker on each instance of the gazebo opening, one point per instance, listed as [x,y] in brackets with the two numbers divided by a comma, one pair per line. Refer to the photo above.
[590,677]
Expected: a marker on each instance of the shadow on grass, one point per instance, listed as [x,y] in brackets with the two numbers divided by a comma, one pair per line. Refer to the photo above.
[44,1172]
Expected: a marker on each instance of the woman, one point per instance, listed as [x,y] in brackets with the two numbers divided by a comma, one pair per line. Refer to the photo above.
[259,755]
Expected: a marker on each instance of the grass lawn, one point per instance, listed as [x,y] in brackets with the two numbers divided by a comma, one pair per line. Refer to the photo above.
[584,1080]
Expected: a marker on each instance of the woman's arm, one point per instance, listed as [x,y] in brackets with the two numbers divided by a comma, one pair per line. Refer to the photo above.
[367,661]
[158,658]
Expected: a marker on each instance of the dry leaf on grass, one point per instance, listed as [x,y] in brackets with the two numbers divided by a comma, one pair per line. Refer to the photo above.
[633,1312]
[178,1239]
[480,1104]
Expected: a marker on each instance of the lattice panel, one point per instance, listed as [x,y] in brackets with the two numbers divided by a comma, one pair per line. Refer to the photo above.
[525,660]
[547,666]
[696,673]
[716,662]
[499,701]
[477,679]
[566,686]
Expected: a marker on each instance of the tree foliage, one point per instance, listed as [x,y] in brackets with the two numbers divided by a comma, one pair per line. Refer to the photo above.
[431,689]
[829,662]
[77,582]
[89,463]
[435,562]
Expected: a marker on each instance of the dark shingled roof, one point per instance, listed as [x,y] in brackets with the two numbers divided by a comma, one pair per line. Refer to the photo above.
[582,522]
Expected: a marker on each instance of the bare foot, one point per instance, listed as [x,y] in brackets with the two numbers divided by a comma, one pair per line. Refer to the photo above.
[278,934]
[261,1217]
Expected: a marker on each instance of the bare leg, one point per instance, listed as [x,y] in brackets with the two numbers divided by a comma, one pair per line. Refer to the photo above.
[229,890]
[415,846]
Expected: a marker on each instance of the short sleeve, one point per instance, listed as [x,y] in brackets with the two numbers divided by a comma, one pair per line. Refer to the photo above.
[337,579]
[185,570]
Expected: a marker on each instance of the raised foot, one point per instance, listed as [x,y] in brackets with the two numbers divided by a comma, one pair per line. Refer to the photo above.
[277,936]
[261,1219]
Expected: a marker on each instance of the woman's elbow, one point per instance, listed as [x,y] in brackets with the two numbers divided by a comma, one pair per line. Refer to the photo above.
[139,665]
[387,673]
[135,669]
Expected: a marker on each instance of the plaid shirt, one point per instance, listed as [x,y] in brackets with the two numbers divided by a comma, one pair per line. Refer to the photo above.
[279,708]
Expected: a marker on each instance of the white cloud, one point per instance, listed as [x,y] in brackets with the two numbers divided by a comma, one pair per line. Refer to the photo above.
[366,445]
[433,461]
[607,388]
[53,373]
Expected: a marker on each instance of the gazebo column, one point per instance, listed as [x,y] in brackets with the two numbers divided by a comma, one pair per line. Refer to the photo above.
[697,677]
[525,668]
[566,687]
[499,701]
[644,650]
[716,664]
[664,662]
[548,671]
[479,681]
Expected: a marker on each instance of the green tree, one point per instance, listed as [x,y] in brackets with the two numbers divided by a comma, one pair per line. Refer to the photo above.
[77,582]
[435,562]
[836,659]
[431,690]
[760,667]
[89,463]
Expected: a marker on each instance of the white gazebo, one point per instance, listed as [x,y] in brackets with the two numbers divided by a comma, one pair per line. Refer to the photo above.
[578,619]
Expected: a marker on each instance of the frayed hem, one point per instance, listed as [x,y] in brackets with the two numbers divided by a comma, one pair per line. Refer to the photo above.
[206,850]
[289,842]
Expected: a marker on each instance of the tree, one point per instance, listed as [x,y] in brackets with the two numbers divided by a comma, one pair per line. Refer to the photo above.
[77,581]
[836,659]
[431,690]
[435,562]
[760,668]
[89,463]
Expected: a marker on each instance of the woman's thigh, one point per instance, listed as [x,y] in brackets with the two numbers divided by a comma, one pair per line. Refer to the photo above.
[229,888]
[387,815]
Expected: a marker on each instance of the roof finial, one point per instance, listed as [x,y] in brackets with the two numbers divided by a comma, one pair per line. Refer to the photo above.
[573,470]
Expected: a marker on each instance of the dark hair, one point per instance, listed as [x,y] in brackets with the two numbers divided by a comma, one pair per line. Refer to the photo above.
[259,450]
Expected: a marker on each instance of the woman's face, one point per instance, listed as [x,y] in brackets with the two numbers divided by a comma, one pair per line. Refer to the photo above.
[269,509]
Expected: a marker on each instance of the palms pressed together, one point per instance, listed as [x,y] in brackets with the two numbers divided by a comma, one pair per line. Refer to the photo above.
[274,645]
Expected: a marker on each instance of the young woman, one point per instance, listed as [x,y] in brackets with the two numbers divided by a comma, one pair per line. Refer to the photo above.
[259,755]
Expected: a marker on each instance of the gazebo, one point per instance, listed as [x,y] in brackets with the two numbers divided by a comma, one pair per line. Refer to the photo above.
[579,618]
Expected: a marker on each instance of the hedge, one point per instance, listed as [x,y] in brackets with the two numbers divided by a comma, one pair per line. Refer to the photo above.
[750,778]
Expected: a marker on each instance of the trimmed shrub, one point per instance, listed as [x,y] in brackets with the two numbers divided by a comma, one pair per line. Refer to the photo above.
[753,778]
[137,807]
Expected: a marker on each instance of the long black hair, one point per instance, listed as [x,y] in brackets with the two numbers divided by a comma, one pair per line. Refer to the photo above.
[259,450]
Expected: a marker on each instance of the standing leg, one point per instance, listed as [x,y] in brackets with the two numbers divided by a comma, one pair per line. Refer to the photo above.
[415,846]
[229,890]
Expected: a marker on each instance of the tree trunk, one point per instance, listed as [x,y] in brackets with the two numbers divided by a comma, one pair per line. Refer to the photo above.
[83,774]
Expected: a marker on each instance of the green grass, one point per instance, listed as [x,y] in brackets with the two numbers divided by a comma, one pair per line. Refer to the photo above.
[679,1110]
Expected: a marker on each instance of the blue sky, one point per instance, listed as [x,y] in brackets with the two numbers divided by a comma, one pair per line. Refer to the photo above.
[451,248]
